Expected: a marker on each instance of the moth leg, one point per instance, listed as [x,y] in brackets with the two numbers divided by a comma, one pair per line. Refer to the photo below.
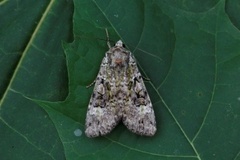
[145,78]
[91,84]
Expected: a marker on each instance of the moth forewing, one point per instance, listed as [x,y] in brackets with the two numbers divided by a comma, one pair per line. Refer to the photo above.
[119,94]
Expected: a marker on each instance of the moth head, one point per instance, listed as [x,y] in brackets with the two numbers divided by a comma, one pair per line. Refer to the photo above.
[119,44]
[119,56]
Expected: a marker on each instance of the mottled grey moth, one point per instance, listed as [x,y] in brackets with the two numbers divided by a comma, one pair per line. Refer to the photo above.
[119,94]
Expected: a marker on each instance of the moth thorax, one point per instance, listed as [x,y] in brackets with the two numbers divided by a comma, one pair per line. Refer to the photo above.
[118,61]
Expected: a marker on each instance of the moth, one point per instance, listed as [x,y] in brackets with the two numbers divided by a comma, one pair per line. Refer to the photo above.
[119,94]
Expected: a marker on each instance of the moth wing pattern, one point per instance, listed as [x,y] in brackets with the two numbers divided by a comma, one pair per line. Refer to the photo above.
[101,117]
[138,115]
[119,94]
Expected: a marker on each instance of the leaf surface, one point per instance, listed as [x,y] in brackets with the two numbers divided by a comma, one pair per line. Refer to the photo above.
[189,51]
[32,64]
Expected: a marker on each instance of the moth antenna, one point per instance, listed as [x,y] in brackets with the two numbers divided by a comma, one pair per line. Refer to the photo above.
[108,42]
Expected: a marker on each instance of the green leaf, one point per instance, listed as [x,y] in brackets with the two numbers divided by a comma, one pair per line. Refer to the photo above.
[188,49]
[32,64]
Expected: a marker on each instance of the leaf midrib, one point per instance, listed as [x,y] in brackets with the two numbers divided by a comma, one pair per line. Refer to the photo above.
[25,51]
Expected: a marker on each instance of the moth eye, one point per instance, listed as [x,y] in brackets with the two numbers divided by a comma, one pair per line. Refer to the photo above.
[123,45]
